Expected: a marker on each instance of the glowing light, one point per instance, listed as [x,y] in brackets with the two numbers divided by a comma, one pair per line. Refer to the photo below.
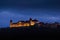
[32,23]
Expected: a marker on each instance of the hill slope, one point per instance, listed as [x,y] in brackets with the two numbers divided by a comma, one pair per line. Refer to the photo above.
[29,31]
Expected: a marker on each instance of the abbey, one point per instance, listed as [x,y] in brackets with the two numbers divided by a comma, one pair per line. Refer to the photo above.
[27,23]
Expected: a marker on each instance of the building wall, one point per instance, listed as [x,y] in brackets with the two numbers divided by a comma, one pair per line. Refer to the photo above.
[26,24]
[20,24]
[32,23]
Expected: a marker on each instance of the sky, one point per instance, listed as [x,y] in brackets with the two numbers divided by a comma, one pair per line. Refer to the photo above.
[42,10]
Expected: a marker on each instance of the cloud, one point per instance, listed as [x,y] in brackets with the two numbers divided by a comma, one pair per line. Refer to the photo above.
[31,3]
[25,14]
[5,17]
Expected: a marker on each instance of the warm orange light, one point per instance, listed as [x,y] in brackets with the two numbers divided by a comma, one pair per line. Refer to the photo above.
[26,24]
[32,23]
[20,24]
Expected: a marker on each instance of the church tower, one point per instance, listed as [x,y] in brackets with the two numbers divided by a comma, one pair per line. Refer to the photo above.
[30,19]
[10,23]
[31,22]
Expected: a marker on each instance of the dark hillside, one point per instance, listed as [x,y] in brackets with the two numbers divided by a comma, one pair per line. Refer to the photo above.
[29,31]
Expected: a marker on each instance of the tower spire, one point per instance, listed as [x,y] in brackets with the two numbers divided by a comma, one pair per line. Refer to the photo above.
[30,18]
[10,20]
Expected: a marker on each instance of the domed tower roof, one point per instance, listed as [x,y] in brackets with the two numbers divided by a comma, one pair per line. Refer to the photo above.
[10,20]
[30,18]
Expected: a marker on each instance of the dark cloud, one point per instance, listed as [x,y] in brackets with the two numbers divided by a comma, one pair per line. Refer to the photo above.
[30,3]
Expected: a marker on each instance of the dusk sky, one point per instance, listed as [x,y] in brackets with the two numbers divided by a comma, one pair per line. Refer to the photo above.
[42,10]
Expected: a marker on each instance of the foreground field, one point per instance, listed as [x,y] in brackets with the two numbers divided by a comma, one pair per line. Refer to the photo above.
[29,31]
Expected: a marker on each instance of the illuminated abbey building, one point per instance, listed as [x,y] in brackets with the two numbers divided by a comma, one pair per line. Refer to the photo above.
[28,23]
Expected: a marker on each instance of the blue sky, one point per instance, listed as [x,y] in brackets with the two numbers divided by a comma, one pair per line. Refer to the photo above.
[43,10]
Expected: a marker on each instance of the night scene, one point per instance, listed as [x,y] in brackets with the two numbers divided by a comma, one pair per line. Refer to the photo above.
[29,17]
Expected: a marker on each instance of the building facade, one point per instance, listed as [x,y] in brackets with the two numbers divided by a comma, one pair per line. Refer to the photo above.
[27,23]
